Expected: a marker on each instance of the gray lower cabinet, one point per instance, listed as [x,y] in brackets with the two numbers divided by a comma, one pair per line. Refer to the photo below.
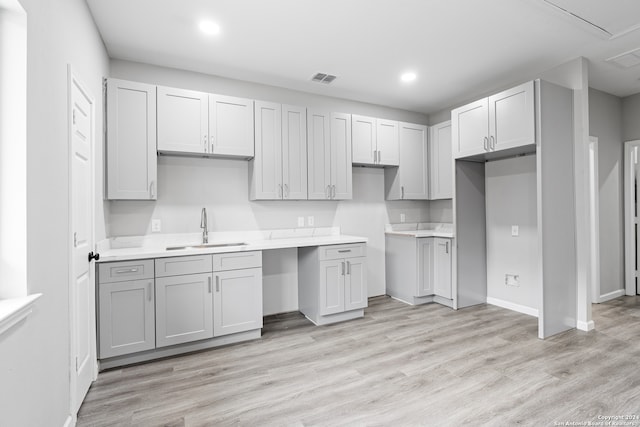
[237,301]
[442,267]
[332,282]
[126,317]
[184,309]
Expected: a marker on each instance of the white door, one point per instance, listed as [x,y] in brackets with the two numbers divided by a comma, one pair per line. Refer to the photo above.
[82,287]
[294,152]
[355,287]
[267,163]
[237,301]
[364,139]
[440,162]
[231,126]
[414,183]
[319,153]
[470,128]
[183,121]
[442,268]
[631,194]
[341,176]
[388,145]
[511,118]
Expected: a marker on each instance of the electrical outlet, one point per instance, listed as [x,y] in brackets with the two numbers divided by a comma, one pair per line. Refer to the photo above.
[310,221]
[512,279]
[156,225]
[402,218]
[515,231]
[300,221]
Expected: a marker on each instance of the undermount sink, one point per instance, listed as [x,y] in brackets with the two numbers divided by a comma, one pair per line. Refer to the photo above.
[205,246]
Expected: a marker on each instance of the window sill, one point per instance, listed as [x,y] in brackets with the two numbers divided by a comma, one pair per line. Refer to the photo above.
[14,310]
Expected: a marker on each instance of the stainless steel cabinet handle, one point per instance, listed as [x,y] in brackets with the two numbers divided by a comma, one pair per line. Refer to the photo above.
[379,156]
[375,157]
[212,144]
[333,196]
[127,270]
[402,190]
[217,283]
[149,291]
[343,268]
[209,281]
[328,191]
[152,189]
[486,144]
[204,142]
[342,251]
[447,247]
[286,191]
[348,267]
[492,142]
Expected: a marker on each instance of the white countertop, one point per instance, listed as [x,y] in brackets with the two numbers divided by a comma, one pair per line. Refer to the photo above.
[155,246]
[421,229]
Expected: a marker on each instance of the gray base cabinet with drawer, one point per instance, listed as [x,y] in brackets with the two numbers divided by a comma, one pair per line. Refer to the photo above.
[332,282]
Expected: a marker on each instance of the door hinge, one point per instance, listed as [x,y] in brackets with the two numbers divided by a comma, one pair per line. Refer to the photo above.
[76,363]
[74,116]
[75,239]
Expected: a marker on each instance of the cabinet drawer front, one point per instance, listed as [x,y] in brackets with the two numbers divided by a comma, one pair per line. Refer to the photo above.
[176,266]
[343,251]
[125,270]
[237,260]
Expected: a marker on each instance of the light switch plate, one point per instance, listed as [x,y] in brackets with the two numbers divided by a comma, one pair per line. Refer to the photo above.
[300,221]
[156,225]
[310,221]
[515,231]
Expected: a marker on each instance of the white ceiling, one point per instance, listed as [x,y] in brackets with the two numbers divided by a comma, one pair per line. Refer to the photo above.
[458,48]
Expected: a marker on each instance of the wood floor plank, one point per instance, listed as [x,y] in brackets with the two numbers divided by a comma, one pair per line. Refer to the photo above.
[399,365]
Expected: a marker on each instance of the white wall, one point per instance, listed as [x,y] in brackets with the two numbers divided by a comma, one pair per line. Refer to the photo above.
[34,356]
[185,185]
[510,186]
[605,123]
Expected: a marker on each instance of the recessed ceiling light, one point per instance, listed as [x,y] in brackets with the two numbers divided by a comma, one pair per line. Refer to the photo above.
[209,28]
[408,77]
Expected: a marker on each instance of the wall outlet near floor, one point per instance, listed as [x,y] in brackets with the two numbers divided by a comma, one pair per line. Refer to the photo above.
[310,221]
[402,218]
[300,221]
[156,225]
[512,279]
[515,231]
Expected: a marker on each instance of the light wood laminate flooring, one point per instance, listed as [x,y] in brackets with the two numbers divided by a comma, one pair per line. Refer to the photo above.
[399,365]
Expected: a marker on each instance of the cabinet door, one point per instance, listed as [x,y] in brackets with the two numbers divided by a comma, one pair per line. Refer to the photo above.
[182,121]
[341,175]
[319,154]
[512,118]
[126,318]
[470,128]
[413,169]
[364,140]
[442,268]
[131,141]
[355,286]
[184,309]
[294,152]
[425,267]
[231,126]
[388,145]
[267,162]
[332,275]
[440,162]
[237,301]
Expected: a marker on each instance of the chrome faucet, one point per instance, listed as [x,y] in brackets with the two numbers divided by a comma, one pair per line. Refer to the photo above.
[203,225]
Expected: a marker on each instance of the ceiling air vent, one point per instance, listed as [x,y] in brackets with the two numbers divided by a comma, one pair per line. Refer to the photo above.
[626,60]
[323,78]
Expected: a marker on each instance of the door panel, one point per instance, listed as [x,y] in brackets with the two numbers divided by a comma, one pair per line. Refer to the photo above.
[425,267]
[388,145]
[294,152]
[470,130]
[183,121]
[319,153]
[512,118]
[413,162]
[267,163]
[364,139]
[237,301]
[356,284]
[231,126]
[331,287]
[440,162]
[341,176]
[442,268]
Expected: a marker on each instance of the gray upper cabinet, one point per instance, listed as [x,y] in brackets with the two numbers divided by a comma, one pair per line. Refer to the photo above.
[375,141]
[278,170]
[500,122]
[191,122]
[410,181]
[131,170]
[329,155]
[440,162]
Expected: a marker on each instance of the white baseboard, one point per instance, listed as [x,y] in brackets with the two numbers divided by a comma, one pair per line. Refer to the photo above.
[512,306]
[585,326]
[612,295]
